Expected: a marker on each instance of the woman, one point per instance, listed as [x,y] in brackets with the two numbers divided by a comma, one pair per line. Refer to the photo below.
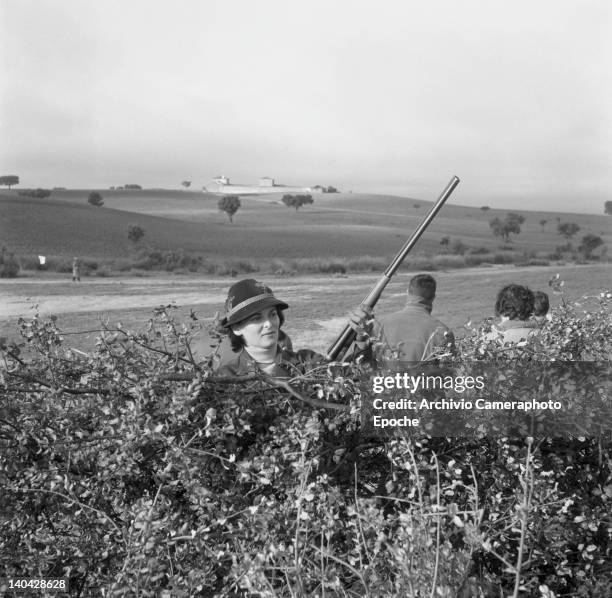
[514,306]
[253,320]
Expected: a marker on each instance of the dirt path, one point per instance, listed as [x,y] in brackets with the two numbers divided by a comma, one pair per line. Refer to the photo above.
[57,295]
[319,304]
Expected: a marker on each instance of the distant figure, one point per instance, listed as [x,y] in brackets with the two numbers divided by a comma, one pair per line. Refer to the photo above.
[514,306]
[541,305]
[413,333]
[76,270]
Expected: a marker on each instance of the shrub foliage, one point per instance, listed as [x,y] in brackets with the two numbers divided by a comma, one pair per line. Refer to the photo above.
[95,199]
[9,180]
[297,201]
[229,204]
[510,225]
[38,193]
[9,266]
[133,471]
[135,233]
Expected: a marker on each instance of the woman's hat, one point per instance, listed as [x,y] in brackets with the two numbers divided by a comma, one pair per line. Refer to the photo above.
[247,297]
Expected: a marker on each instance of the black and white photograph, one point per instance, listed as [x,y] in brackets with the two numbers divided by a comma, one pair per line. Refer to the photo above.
[306,299]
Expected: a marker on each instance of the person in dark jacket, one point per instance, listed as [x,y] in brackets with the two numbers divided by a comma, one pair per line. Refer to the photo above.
[253,320]
[413,334]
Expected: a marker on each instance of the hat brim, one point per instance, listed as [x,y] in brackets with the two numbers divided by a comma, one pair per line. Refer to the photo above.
[249,310]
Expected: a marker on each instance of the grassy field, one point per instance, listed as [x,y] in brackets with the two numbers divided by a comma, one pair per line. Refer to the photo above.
[273,238]
[335,225]
[318,304]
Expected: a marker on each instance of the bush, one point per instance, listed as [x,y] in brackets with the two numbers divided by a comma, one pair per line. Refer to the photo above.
[503,258]
[296,201]
[458,247]
[38,193]
[282,267]
[367,263]
[132,471]
[476,260]
[421,263]
[29,262]
[449,261]
[169,261]
[232,267]
[104,271]
[135,233]
[9,266]
[95,199]
[59,264]
[324,265]
[533,262]
[121,265]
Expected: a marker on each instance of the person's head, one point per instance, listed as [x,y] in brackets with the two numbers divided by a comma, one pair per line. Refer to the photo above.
[514,302]
[541,304]
[423,287]
[253,315]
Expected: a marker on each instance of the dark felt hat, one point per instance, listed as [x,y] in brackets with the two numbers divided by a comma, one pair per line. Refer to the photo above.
[247,297]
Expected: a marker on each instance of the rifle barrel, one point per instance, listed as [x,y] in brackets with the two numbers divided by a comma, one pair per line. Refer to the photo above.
[347,336]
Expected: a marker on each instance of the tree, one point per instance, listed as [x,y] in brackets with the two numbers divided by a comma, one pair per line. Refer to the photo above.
[608,207]
[543,223]
[589,243]
[230,205]
[132,187]
[511,224]
[186,184]
[95,199]
[297,201]
[9,180]
[485,208]
[568,229]
[135,233]
[444,241]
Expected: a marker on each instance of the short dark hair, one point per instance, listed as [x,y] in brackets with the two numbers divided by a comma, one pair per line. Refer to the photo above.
[423,286]
[514,301]
[237,342]
[541,304]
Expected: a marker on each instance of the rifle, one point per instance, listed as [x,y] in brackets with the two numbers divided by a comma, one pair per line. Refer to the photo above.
[347,336]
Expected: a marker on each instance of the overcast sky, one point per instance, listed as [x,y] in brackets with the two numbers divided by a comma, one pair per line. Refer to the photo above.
[395,96]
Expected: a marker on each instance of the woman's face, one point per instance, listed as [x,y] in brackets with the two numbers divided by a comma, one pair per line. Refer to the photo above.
[260,330]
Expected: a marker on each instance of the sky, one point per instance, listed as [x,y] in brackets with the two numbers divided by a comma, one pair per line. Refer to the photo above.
[387,96]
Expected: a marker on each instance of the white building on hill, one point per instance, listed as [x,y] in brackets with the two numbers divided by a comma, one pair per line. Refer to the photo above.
[221,184]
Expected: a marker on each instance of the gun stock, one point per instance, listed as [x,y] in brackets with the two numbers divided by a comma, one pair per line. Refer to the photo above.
[347,336]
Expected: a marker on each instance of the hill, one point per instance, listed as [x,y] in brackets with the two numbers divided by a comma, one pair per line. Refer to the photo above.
[335,225]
